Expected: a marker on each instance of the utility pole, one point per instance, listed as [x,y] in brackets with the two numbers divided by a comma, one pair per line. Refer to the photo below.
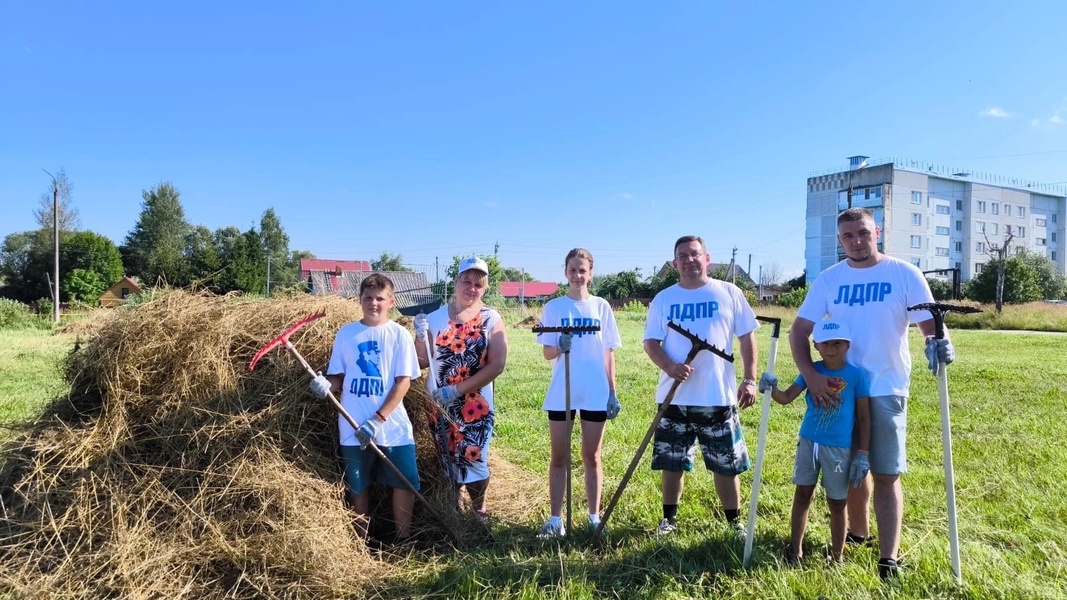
[761,283]
[55,241]
[522,291]
[496,248]
[750,266]
[733,268]
[268,276]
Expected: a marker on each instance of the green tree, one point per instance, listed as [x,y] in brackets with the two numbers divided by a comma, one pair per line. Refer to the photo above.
[941,289]
[722,273]
[793,298]
[513,274]
[25,262]
[83,285]
[624,284]
[799,281]
[1020,282]
[1052,283]
[276,249]
[156,243]
[201,257]
[389,262]
[92,253]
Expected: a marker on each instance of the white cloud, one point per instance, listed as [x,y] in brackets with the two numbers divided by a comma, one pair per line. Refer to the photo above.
[1035,122]
[996,112]
[1056,119]
[626,196]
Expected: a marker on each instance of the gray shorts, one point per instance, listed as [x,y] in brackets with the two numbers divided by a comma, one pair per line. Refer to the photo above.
[832,461]
[889,428]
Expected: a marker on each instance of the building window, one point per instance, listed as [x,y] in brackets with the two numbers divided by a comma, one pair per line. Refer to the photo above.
[1021,232]
[1019,250]
[1053,217]
[959,225]
[943,209]
[942,231]
[125,293]
[1040,241]
[959,266]
[1007,230]
[1052,236]
[918,262]
[941,251]
[1007,209]
[916,219]
[981,206]
[1053,256]
[993,227]
[996,208]
[1022,211]
[978,268]
[916,241]
[959,205]
[1039,222]
[916,197]
[959,246]
[979,226]
[979,247]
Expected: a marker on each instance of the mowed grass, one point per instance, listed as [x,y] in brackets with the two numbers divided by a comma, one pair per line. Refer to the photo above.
[1010,462]
[29,371]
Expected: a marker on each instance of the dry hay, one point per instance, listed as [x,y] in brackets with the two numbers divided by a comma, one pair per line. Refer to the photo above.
[171,471]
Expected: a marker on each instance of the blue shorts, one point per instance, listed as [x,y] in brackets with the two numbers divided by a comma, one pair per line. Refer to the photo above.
[889,429]
[364,466]
[716,428]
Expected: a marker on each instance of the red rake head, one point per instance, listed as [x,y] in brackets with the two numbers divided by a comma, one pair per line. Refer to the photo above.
[284,337]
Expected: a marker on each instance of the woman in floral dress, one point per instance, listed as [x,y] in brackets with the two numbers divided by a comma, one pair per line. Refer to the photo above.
[470,347]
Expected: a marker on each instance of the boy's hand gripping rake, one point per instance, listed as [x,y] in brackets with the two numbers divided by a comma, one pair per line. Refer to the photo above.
[567,396]
[698,344]
[938,311]
[283,340]
[765,413]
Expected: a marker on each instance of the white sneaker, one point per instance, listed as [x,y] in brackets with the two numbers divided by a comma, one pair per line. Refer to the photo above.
[594,522]
[553,528]
[665,527]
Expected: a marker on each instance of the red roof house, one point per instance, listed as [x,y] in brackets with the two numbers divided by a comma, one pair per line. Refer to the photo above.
[332,268]
[529,290]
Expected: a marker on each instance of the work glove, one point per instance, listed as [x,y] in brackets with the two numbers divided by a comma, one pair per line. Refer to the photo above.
[320,386]
[422,326]
[565,340]
[445,394]
[939,351]
[859,469]
[767,382]
[613,405]
[366,432]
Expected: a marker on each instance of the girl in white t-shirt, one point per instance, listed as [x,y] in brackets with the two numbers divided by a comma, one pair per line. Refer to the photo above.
[592,386]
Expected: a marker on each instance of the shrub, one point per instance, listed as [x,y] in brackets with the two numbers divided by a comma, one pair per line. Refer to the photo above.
[14,314]
[794,298]
[633,306]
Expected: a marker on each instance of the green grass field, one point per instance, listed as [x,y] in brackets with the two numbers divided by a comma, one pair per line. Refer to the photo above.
[1010,458]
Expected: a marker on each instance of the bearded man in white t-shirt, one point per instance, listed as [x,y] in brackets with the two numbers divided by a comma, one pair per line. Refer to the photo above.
[704,408]
[871,293]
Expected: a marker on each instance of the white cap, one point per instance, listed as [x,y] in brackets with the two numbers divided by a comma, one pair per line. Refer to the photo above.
[826,331]
[473,263]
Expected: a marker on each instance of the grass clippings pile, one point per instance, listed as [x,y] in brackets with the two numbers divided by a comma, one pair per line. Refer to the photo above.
[171,471]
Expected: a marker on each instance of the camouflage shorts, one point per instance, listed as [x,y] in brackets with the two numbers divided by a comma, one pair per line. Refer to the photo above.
[716,428]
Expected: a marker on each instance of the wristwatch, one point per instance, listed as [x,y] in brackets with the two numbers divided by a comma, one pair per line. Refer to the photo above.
[748,382]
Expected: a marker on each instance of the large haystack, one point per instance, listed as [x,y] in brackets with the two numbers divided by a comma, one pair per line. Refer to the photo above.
[171,471]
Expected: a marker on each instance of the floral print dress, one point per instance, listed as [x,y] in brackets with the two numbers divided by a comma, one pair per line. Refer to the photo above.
[460,351]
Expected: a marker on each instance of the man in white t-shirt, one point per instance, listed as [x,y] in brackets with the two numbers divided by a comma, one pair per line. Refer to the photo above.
[704,408]
[871,293]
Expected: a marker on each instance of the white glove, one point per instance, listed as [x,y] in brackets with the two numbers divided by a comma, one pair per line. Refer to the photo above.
[939,351]
[767,382]
[366,432]
[320,386]
[565,340]
[422,326]
[857,472]
[445,394]
[613,405]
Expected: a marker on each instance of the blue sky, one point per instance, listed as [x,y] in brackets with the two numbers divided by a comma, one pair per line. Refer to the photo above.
[435,129]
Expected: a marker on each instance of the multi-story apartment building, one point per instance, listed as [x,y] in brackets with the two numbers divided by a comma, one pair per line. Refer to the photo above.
[933,216]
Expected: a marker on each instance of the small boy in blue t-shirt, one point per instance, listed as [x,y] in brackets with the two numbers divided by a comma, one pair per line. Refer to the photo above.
[826,437]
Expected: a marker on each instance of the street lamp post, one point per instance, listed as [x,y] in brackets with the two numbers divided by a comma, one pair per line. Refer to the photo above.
[55,248]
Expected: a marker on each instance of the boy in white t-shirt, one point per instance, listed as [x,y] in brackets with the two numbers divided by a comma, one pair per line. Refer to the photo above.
[592,357]
[371,367]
